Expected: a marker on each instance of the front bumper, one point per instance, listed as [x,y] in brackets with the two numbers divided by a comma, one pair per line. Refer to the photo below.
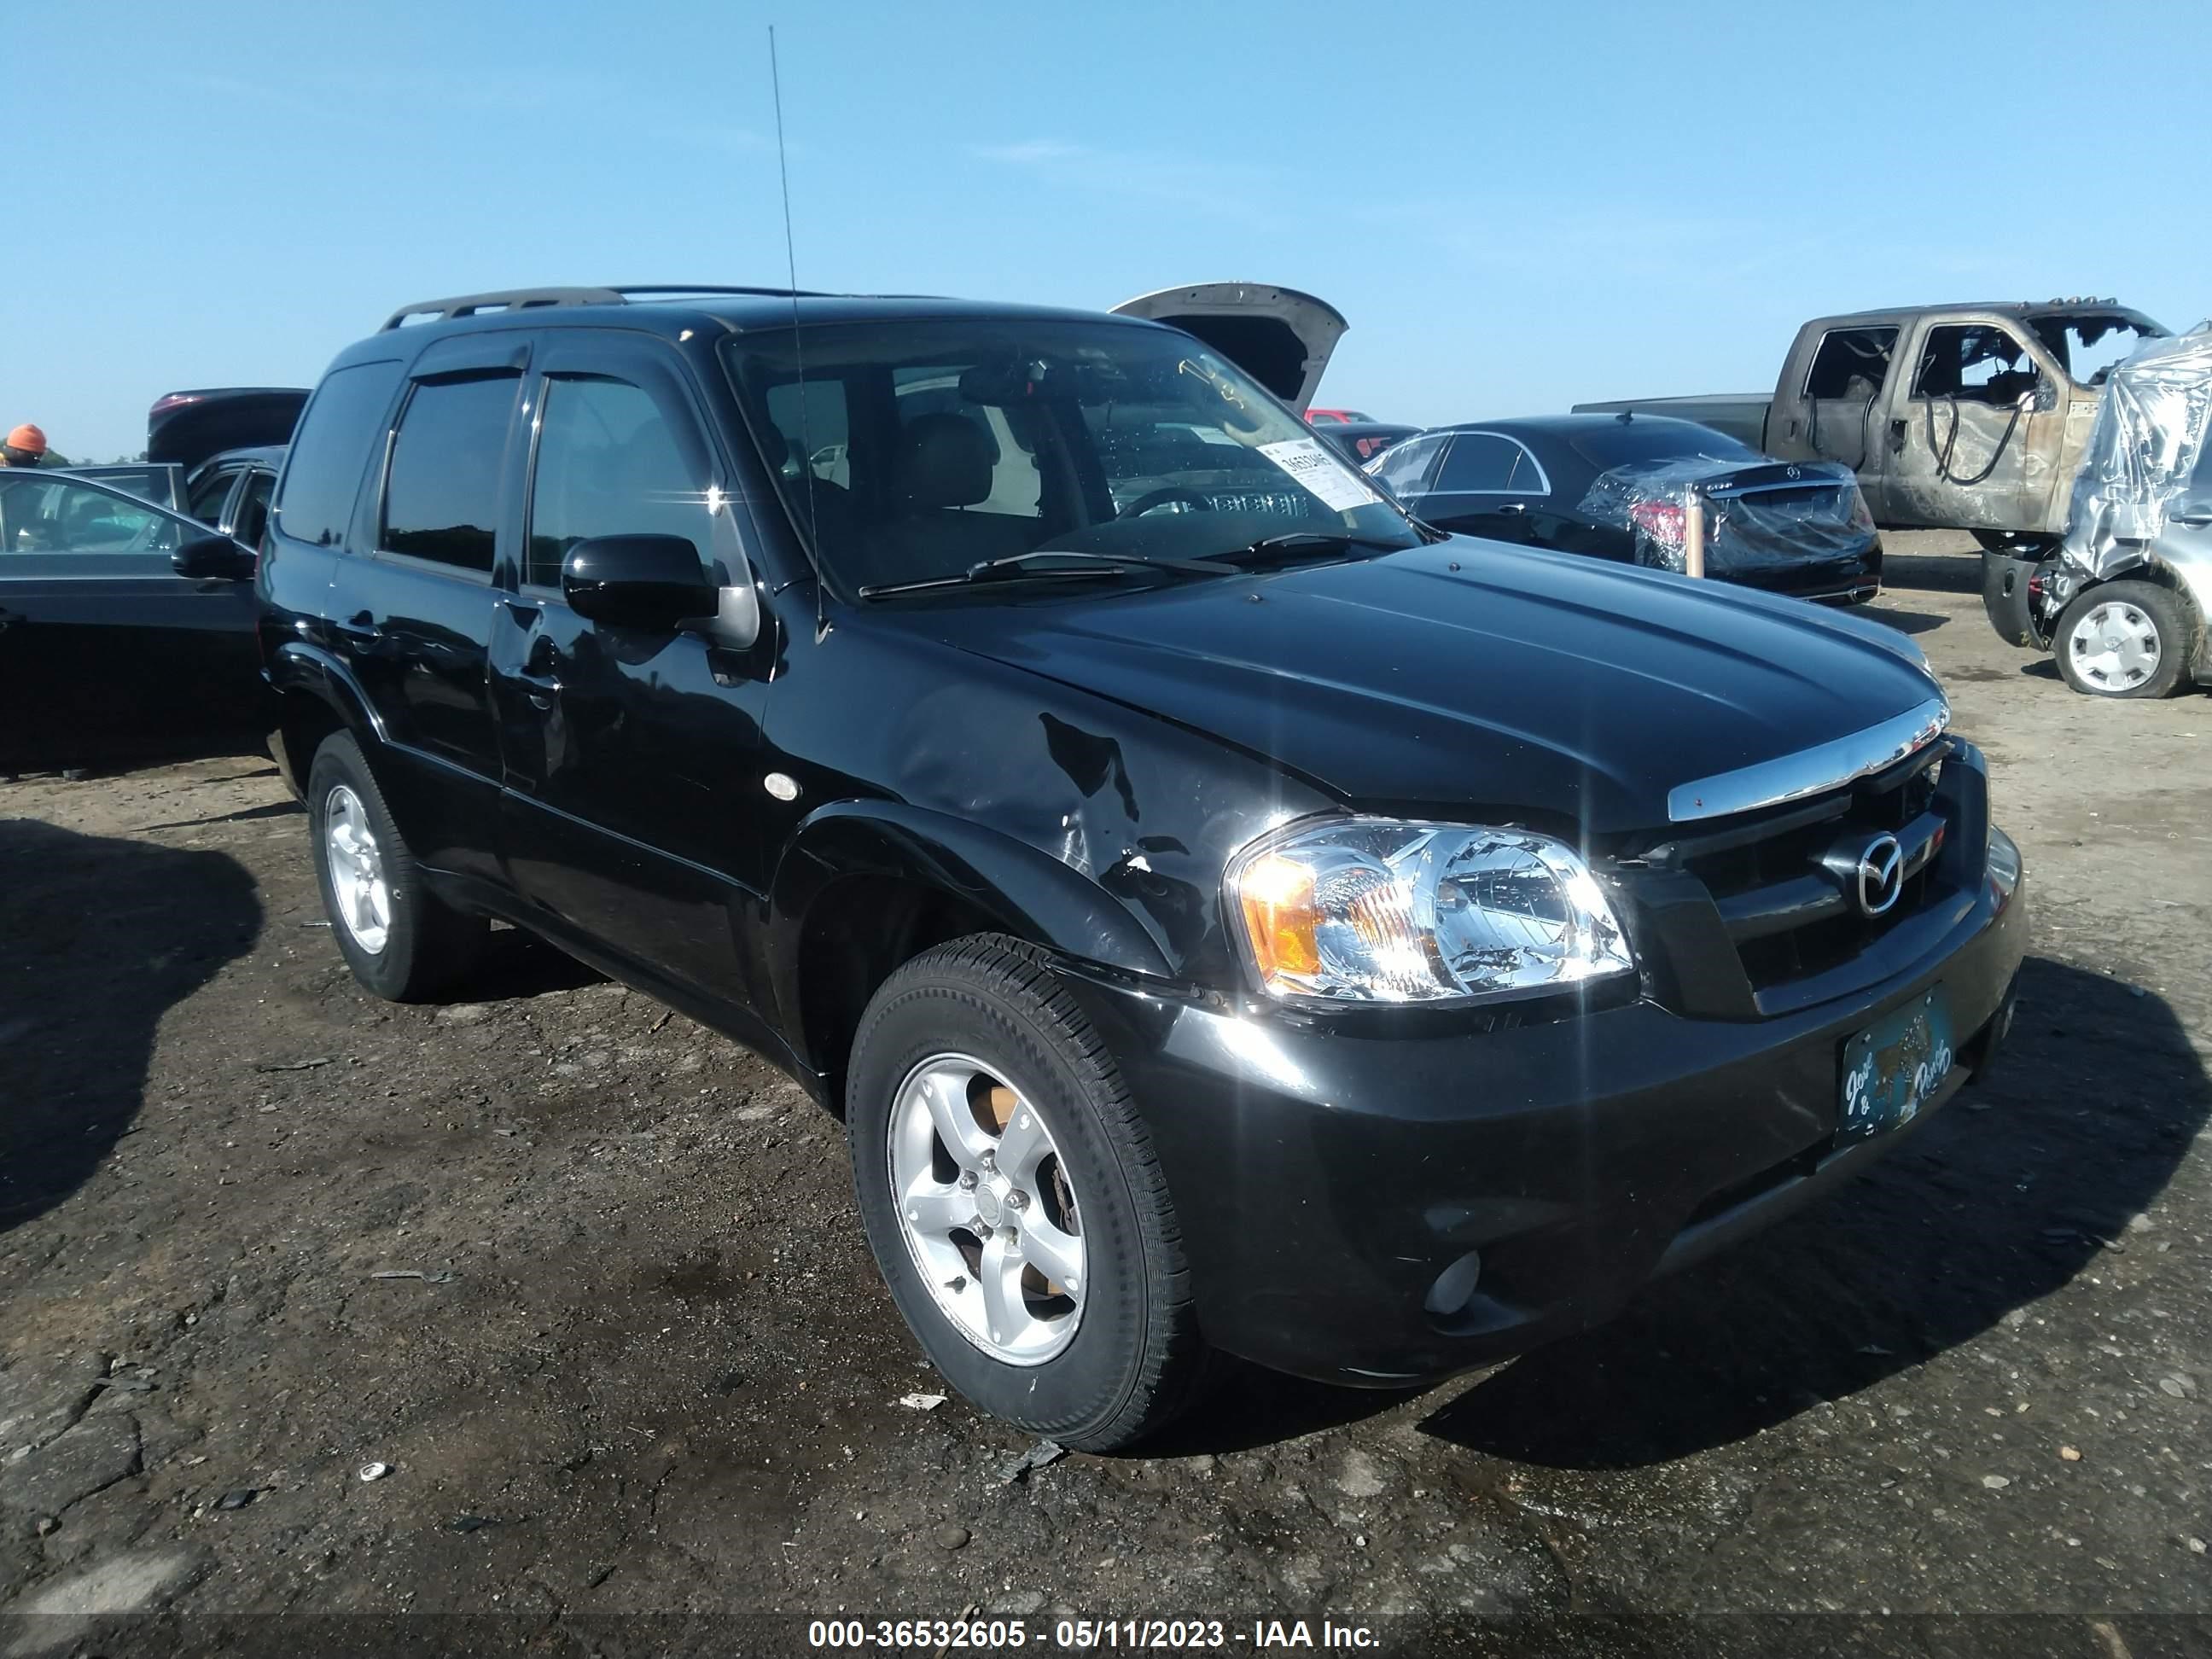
[1413,1195]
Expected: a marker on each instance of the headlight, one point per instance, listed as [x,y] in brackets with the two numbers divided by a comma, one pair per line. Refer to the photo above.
[1372,910]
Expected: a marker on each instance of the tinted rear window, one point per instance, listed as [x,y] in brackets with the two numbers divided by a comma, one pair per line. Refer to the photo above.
[442,499]
[336,438]
[1622,443]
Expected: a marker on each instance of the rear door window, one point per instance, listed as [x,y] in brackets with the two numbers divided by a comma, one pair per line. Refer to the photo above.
[331,452]
[1486,464]
[1851,364]
[441,497]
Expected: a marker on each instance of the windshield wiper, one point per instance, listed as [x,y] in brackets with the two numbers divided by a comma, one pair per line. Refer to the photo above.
[1304,541]
[1032,565]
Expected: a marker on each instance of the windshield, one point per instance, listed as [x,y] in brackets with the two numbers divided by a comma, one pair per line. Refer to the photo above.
[919,449]
[2087,346]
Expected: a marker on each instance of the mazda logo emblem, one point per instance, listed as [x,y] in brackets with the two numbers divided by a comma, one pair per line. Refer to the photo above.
[1881,874]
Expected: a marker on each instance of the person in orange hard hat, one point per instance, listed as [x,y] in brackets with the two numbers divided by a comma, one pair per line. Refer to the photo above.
[24,447]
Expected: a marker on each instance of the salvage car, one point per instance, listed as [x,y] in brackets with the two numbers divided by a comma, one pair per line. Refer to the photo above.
[2122,603]
[125,628]
[1619,486]
[1960,417]
[1228,914]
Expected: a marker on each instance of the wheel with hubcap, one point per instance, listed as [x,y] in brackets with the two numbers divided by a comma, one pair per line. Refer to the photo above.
[401,940]
[1013,1201]
[2124,639]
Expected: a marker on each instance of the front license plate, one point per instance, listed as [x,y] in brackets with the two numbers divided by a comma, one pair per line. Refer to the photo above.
[1890,1068]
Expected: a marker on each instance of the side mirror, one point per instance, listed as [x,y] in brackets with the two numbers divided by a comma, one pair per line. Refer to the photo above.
[216,557]
[650,582]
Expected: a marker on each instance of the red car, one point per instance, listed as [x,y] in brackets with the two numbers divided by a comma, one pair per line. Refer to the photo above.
[1316,416]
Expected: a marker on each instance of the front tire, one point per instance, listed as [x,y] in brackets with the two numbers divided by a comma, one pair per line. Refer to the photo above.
[401,940]
[1014,1202]
[2125,639]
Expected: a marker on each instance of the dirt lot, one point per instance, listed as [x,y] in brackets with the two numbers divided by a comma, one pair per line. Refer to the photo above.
[640,1361]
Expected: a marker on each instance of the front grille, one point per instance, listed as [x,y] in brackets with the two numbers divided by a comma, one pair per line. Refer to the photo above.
[1780,882]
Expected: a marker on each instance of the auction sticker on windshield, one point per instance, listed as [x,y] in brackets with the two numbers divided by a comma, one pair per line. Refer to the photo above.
[1321,473]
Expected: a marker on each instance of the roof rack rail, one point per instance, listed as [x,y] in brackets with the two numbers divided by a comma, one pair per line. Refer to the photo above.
[511,299]
[676,290]
[531,299]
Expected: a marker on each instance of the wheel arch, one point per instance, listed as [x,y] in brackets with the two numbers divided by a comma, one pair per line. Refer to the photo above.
[316,695]
[866,887]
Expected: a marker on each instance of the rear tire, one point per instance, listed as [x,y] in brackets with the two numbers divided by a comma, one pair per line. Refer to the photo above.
[2125,639]
[974,1049]
[401,940]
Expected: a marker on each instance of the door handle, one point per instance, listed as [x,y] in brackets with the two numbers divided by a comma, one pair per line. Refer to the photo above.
[360,627]
[538,674]
[1514,506]
[2196,518]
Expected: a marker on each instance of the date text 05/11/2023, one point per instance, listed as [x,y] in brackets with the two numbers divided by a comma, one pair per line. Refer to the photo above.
[998,1635]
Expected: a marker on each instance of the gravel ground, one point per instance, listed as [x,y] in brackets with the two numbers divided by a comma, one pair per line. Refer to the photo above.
[585,1278]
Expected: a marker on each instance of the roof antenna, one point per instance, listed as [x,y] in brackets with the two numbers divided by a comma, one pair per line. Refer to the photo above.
[798,355]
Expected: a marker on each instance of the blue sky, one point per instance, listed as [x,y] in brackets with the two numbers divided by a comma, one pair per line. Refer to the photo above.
[1516,206]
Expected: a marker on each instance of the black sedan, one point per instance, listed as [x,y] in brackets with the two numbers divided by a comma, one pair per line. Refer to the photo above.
[1619,486]
[124,628]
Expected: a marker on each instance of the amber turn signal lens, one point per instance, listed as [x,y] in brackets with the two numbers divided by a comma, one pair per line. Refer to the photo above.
[1278,897]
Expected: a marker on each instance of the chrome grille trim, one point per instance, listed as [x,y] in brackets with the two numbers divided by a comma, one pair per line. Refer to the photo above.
[1811,771]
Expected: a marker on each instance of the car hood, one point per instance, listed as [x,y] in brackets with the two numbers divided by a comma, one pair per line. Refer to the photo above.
[1281,337]
[1469,676]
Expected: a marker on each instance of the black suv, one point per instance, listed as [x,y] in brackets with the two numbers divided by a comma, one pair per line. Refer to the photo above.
[1227,914]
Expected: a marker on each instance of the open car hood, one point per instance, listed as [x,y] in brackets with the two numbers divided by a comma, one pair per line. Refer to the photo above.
[188,426]
[1281,337]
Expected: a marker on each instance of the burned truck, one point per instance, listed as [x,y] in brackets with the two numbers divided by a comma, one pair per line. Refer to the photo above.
[2122,603]
[1955,417]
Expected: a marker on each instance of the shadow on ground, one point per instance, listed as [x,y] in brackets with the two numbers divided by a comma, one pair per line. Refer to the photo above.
[1933,573]
[518,963]
[98,940]
[2013,1189]
[1904,622]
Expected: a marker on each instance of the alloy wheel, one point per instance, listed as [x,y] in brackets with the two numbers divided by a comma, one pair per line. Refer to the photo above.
[987,1209]
[358,884]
